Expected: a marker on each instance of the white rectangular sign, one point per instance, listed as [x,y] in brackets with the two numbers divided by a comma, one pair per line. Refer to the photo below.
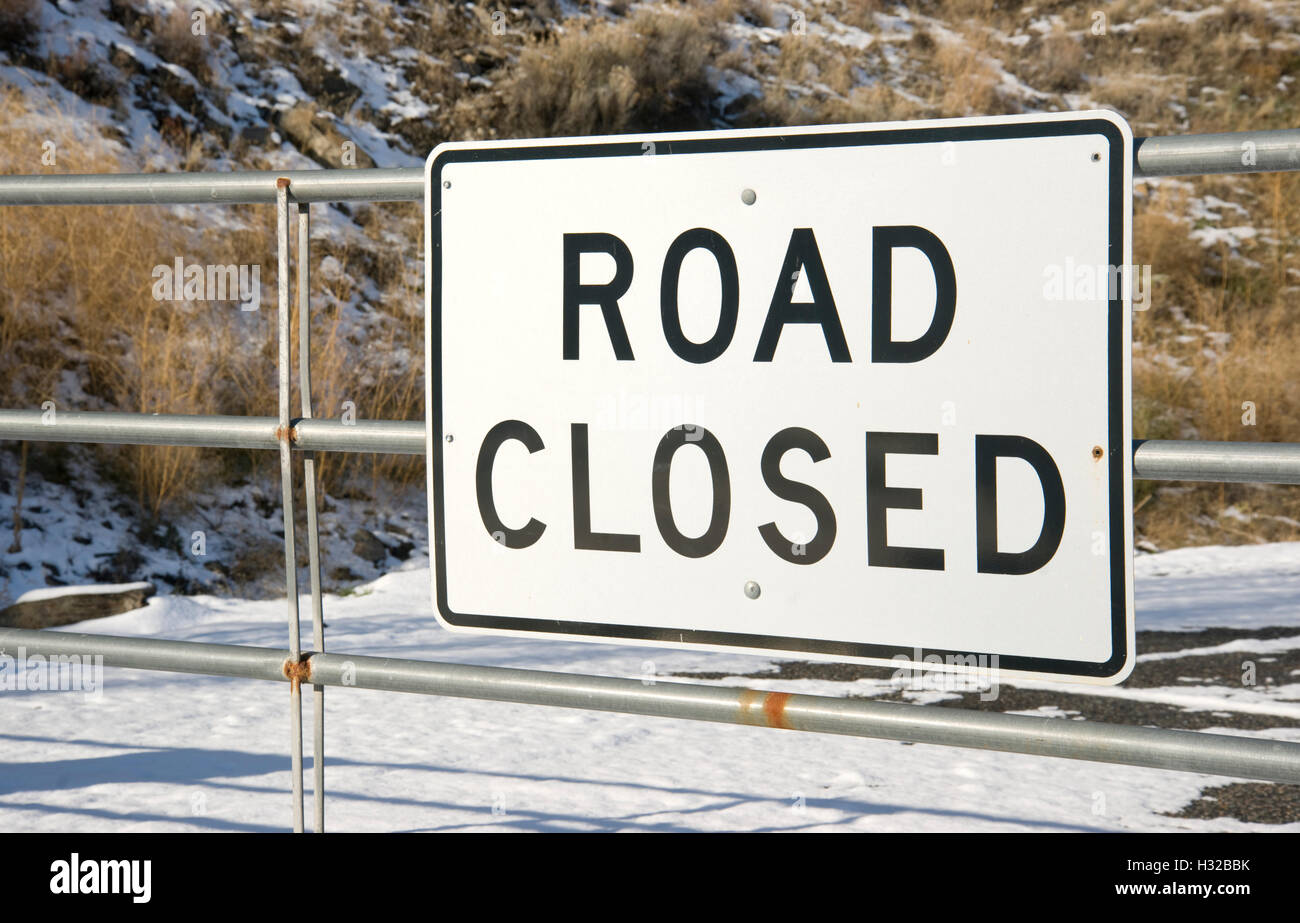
[855,392]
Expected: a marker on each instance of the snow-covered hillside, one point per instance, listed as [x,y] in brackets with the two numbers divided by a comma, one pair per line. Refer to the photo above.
[272,84]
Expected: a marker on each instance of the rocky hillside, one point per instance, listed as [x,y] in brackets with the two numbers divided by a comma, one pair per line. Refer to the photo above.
[104,85]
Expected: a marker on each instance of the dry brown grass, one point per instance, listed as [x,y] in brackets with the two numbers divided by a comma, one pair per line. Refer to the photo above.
[1222,335]
[967,81]
[76,297]
[174,40]
[858,13]
[77,72]
[380,375]
[1064,62]
[868,104]
[811,82]
[754,12]
[77,286]
[645,73]
[1147,59]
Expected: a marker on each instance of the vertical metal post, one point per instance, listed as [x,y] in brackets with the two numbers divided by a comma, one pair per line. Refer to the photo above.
[286,485]
[313,528]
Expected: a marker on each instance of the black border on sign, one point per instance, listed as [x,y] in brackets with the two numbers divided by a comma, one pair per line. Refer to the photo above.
[795,141]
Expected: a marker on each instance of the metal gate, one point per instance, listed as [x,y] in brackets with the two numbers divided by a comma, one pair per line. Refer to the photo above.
[293,192]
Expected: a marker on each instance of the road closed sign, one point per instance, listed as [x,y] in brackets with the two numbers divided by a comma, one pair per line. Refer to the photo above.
[855,393]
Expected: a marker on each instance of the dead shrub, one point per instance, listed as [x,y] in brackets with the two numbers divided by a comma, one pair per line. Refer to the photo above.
[78,73]
[378,372]
[861,14]
[1163,41]
[1063,59]
[967,82]
[646,73]
[1215,359]
[181,39]
[876,103]
[754,12]
[77,298]
[1141,98]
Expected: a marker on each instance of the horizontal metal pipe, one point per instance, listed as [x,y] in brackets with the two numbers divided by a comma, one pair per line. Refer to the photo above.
[1153,459]
[386,437]
[216,432]
[1229,152]
[150,653]
[1275,761]
[1219,462]
[1179,155]
[340,185]
[1186,751]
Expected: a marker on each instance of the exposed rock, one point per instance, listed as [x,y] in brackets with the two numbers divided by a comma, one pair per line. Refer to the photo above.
[327,86]
[369,548]
[402,549]
[317,137]
[119,567]
[344,575]
[55,606]
[255,134]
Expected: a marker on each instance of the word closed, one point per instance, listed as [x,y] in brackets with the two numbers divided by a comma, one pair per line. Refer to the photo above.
[801,256]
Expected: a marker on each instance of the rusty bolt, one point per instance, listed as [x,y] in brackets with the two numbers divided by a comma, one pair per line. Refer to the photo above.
[299,672]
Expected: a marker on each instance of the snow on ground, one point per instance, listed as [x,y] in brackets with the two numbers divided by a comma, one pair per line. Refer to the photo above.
[44,594]
[159,751]
[1243,586]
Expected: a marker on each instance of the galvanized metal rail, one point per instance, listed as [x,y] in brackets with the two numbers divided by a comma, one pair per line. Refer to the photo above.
[1183,155]
[1188,751]
[360,185]
[1153,459]
[1278,761]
